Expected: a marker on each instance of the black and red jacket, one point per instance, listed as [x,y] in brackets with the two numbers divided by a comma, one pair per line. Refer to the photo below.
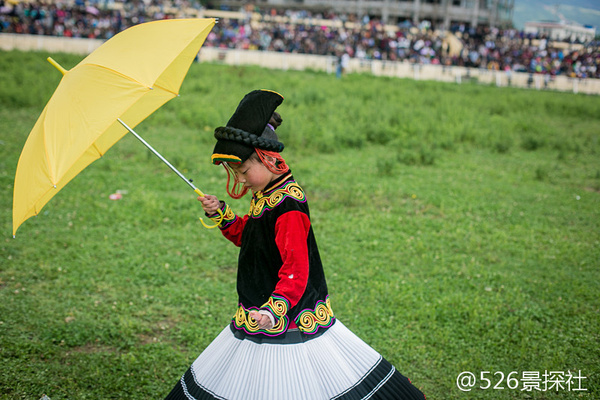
[279,267]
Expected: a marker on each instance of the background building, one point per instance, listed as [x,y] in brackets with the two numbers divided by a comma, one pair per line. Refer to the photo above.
[561,31]
[441,13]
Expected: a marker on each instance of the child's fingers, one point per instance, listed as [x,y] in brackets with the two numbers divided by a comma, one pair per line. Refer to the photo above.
[255,315]
[263,321]
[209,201]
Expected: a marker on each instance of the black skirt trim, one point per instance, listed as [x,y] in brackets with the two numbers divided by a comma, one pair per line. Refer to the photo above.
[382,382]
[187,388]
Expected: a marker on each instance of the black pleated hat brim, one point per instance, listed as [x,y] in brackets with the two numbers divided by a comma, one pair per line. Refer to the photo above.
[231,152]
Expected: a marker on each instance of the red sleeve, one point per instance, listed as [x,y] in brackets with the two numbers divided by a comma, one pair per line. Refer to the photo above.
[231,225]
[234,231]
[291,233]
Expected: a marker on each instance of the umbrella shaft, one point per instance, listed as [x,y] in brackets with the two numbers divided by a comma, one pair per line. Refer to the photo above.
[157,154]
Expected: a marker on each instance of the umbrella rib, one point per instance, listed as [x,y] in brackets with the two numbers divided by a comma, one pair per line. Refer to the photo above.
[134,80]
[48,164]
[120,74]
[97,149]
[166,90]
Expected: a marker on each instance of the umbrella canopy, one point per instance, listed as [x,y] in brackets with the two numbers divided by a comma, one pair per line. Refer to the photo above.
[128,77]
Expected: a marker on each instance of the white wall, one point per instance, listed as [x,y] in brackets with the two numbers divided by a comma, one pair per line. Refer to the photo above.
[287,61]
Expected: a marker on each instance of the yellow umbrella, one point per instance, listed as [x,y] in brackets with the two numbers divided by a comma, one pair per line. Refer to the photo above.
[127,78]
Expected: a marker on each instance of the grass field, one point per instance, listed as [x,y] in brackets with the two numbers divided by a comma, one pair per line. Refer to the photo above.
[459,227]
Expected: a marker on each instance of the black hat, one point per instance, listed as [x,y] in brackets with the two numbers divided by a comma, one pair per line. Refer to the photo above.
[251,126]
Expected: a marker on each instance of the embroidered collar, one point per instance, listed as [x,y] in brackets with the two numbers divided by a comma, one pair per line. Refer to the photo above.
[274,184]
[282,188]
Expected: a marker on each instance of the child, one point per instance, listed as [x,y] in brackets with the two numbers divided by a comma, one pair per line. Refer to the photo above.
[284,341]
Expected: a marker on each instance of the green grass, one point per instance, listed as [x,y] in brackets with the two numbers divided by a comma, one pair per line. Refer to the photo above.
[459,227]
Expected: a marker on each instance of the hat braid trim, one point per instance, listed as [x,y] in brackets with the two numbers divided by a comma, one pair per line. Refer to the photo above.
[250,139]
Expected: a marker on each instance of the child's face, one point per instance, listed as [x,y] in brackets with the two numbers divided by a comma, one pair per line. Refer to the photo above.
[253,174]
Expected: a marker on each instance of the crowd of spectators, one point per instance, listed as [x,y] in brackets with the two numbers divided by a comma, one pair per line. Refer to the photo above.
[301,32]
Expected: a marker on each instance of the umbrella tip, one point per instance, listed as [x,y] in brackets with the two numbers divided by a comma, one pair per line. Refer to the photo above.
[56,65]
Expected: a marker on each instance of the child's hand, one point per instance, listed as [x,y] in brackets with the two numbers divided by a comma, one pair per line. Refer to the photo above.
[263,321]
[210,204]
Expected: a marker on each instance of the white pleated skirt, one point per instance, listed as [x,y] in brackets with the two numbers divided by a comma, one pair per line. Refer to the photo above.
[335,365]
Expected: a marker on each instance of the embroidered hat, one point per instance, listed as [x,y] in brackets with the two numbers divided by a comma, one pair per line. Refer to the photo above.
[251,126]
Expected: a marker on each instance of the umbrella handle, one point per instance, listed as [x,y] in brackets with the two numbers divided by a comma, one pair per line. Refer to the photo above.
[221,216]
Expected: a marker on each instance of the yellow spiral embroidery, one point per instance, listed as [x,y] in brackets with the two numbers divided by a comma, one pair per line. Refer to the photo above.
[242,321]
[228,217]
[310,321]
[260,203]
[277,305]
